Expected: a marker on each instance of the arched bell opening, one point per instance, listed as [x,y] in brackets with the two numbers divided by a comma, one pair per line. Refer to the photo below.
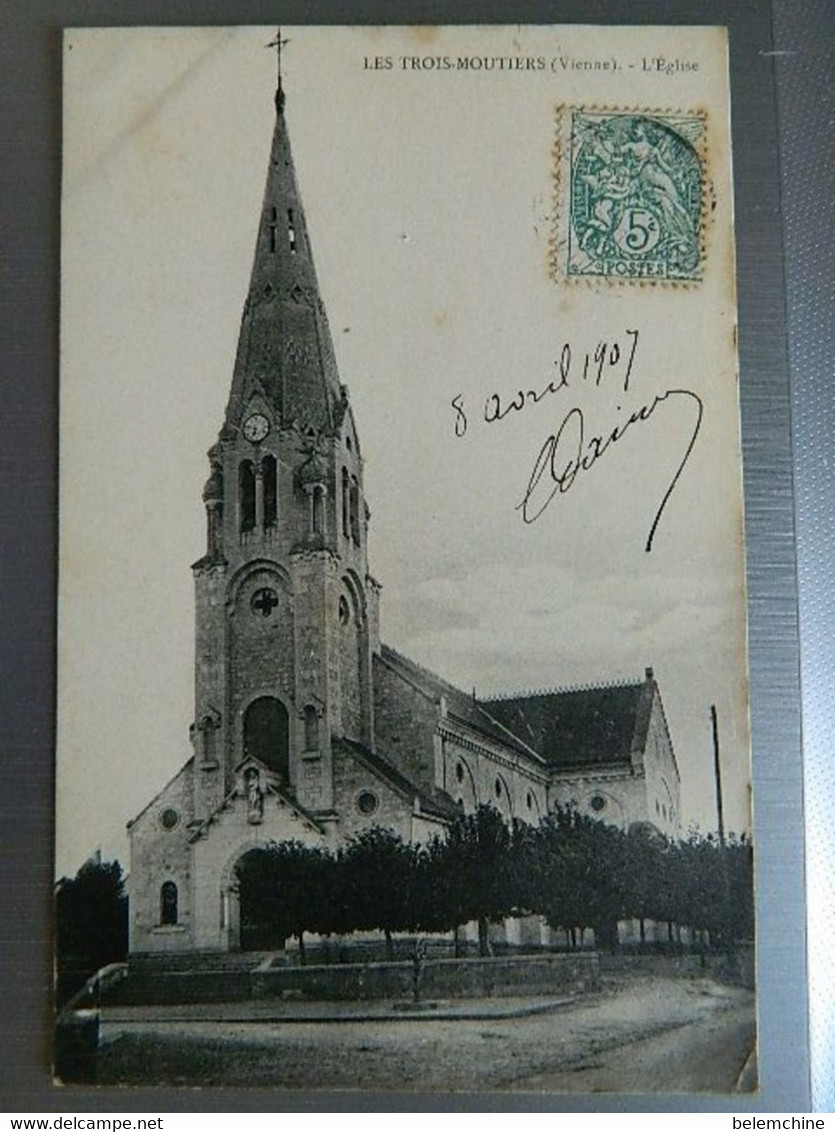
[246,496]
[266,735]
[269,472]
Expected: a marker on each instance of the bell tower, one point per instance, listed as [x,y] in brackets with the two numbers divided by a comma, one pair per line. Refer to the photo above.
[286,612]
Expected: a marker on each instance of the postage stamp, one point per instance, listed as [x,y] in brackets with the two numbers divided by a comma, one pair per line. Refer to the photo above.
[633,195]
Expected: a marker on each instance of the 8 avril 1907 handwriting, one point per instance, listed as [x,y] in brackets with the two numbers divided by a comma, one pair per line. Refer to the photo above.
[571,449]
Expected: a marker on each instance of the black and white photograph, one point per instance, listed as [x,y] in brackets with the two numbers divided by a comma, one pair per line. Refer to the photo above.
[403,724]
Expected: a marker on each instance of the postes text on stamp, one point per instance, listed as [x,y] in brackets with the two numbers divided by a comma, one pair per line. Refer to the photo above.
[635,189]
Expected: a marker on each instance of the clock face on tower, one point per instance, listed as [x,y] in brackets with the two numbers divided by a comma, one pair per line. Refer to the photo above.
[256,427]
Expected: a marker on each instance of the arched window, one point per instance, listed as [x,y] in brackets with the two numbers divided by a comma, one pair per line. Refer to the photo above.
[246,495]
[311,728]
[168,903]
[267,734]
[346,492]
[355,511]
[209,742]
[318,508]
[291,230]
[270,473]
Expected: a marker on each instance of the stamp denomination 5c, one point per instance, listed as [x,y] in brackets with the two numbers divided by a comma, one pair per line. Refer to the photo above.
[632,191]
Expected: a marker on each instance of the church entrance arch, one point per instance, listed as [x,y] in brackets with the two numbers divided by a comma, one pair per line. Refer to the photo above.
[260,919]
[267,734]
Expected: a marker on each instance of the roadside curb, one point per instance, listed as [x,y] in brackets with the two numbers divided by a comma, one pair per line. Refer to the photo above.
[445,1013]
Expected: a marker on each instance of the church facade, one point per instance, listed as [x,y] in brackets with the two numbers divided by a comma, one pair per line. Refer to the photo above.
[306,726]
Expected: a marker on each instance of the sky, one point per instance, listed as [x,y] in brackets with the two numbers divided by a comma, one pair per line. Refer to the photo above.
[434,209]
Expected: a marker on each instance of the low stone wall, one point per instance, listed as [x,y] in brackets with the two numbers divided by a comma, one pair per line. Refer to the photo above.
[740,968]
[737,968]
[625,962]
[168,988]
[438,978]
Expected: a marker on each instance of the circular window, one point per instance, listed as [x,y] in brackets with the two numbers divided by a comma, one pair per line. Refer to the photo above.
[367,803]
[344,610]
[169,818]
[264,601]
[498,788]
[459,772]
[598,803]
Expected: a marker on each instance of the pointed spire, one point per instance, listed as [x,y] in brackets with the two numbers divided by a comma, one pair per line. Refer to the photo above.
[285,352]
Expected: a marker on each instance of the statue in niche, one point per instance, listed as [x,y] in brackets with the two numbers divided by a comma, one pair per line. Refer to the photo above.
[254,796]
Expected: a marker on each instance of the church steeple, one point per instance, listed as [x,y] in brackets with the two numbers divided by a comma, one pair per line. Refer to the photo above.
[285,608]
[285,353]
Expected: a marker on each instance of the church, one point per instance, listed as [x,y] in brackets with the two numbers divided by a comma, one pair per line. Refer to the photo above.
[306,727]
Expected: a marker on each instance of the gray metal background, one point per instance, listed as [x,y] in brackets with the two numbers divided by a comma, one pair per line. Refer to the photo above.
[805,39]
[29,175]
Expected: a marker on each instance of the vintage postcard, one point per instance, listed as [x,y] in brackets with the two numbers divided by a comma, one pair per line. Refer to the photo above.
[402,658]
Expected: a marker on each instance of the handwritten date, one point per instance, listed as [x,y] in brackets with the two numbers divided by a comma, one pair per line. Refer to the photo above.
[570,450]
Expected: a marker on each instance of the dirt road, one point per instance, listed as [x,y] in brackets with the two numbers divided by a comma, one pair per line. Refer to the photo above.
[706,1055]
[657,1034]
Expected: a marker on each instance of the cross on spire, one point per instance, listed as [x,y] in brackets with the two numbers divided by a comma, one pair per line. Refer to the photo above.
[278,43]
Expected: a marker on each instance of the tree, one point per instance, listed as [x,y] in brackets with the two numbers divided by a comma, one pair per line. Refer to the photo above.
[286,885]
[643,875]
[579,882]
[377,882]
[300,874]
[435,905]
[739,856]
[712,889]
[91,924]
[474,871]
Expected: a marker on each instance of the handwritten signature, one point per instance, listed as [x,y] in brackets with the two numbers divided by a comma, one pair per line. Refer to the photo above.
[568,452]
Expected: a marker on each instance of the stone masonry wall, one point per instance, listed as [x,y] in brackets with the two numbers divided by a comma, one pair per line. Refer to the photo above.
[624,796]
[350,779]
[405,722]
[662,780]
[476,777]
[157,855]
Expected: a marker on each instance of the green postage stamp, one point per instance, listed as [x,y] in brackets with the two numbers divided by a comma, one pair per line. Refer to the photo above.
[633,195]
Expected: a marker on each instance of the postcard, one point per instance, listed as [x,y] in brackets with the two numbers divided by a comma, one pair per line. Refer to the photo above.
[402,651]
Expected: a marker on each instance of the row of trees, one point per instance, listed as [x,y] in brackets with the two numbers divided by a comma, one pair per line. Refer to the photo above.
[91,924]
[575,871]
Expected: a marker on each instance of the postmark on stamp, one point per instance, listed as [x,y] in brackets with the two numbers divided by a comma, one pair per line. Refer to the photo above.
[632,190]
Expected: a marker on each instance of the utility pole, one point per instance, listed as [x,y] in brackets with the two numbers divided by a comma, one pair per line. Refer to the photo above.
[717,770]
[727,941]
